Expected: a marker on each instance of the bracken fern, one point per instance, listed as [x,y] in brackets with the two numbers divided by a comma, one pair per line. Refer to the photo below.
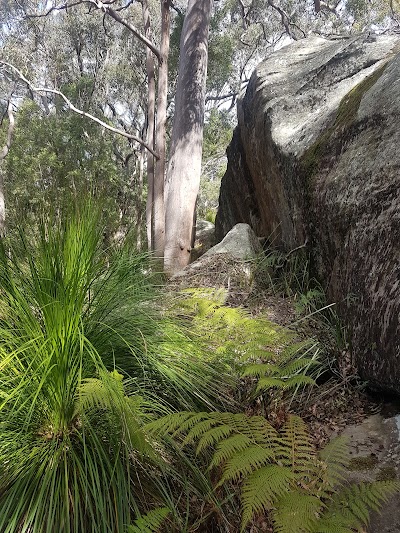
[280,472]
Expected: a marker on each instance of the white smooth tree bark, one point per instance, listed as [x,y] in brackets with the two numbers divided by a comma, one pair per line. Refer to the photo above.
[3,154]
[151,104]
[183,177]
[158,216]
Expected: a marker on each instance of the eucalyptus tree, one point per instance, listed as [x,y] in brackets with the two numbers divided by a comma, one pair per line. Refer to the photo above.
[121,49]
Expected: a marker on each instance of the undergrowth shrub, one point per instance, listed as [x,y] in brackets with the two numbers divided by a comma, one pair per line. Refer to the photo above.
[279,471]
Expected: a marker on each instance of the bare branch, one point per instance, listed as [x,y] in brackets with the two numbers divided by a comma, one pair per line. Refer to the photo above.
[11,125]
[228,96]
[60,7]
[117,17]
[285,19]
[104,6]
[76,110]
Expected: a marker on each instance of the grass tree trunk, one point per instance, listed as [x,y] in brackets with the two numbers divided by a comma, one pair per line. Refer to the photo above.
[158,214]
[184,168]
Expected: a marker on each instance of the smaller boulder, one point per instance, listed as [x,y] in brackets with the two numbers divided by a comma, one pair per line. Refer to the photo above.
[229,265]
[241,243]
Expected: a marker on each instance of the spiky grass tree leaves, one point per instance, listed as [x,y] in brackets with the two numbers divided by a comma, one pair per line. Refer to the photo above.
[73,453]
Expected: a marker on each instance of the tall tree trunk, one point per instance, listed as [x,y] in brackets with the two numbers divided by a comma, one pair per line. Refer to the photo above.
[158,214]
[151,102]
[187,136]
[3,154]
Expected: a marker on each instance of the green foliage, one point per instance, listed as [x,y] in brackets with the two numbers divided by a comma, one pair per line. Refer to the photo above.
[217,135]
[150,522]
[284,273]
[69,436]
[230,333]
[62,155]
[289,370]
[280,472]
[85,360]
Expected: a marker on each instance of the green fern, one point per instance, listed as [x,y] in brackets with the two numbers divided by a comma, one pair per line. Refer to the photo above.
[350,507]
[231,333]
[150,522]
[294,368]
[280,472]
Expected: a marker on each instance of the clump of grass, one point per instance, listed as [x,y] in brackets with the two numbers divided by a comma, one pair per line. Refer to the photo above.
[86,359]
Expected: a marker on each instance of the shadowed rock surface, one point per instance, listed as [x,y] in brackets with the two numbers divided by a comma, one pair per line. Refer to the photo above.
[315,158]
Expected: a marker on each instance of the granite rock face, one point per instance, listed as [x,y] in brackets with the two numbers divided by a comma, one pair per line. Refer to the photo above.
[315,159]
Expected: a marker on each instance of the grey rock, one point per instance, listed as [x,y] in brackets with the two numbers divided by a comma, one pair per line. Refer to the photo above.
[241,243]
[374,446]
[315,159]
[204,228]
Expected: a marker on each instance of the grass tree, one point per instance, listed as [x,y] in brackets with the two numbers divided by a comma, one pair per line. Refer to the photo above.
[84,361]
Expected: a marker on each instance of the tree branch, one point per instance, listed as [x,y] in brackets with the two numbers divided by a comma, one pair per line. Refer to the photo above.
[285,19]
[104,6]
[227,96]
[76,110]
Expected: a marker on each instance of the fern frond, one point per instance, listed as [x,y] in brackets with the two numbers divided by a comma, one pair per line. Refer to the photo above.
[214,435]
[298,365]
[199,430]
[335,457]
[264,384]
[96,393]
[351,506]
[262,488]
[150,522]
[261,369]
[189,423]
[228,447]
[297,446]
[169,423]
[296,512]
[246,461]
[297,381]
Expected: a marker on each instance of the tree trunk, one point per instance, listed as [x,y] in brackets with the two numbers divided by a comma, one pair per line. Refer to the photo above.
[151,101]
[187,136]
[3,155]
[158,214]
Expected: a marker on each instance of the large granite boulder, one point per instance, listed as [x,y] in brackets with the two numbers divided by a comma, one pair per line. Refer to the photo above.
[316,159]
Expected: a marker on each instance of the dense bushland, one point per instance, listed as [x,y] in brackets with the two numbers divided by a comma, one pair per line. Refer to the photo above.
[105,387]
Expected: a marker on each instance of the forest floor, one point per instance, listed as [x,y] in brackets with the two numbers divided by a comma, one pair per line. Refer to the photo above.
[340,399]
[340,402]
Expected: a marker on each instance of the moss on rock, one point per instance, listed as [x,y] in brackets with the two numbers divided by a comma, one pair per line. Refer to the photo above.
[345,118]
[368,462]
